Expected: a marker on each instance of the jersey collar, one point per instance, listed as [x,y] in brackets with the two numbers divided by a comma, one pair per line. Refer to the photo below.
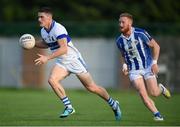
[52,25]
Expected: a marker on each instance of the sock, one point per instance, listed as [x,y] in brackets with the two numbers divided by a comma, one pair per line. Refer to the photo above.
[66,102]
[157,114]
[112,103]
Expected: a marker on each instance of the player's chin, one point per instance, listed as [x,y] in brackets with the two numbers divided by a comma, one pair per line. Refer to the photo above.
[122,30]
[41,25]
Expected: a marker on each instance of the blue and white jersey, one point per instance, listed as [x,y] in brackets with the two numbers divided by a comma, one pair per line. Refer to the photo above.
[58,31]
[135,49]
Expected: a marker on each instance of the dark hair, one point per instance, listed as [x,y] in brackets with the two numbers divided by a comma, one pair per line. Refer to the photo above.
[46,10]
[128,15]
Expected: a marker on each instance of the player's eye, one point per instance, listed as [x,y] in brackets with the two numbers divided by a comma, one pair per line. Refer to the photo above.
[41,17]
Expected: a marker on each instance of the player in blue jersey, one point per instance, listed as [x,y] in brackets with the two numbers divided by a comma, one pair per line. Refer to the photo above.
[68,60]
[140,55]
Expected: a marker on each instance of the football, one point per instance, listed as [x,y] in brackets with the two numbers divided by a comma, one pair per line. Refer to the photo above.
[27,41]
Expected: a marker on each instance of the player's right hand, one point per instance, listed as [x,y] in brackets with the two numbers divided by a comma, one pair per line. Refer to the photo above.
[155,69]
[41,60]
[125,69]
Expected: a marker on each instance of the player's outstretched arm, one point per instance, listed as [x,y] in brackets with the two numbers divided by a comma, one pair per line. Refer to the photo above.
[42,59]
[60,51]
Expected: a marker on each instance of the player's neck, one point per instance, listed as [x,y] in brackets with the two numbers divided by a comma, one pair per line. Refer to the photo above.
[127,34]
[49,25]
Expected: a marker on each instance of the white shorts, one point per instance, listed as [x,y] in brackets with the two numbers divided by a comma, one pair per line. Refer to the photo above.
[75,66]
[145,73]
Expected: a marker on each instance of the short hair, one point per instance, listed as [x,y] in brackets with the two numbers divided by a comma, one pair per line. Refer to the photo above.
[47,10]
[128,15]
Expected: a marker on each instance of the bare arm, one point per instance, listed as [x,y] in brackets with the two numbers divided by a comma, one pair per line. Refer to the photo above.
[60,51]
[155,49]
[41,44]
[155,54]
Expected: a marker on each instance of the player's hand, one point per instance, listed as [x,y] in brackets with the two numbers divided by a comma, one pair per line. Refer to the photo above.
[155,69]
[41,60]
[125,69]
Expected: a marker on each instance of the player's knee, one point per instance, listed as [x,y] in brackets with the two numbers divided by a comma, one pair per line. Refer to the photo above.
[92,88]
[51,81]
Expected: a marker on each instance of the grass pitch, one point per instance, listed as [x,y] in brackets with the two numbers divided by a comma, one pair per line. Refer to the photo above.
[41,107]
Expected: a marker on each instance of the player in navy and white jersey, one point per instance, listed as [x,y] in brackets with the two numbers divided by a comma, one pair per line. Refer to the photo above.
[135,49]
[140,55]
[68,60]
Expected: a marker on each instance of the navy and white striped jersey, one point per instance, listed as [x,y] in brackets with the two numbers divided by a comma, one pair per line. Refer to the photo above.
[58,31]
[135,49]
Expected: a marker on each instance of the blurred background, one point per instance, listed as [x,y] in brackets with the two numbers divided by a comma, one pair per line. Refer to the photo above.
[93,27]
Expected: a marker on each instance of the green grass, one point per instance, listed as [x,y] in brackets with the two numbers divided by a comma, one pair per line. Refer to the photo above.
[41,107]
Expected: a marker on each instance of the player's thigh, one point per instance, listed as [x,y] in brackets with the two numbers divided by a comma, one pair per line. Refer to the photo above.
[140,86]
[58,72]
[86,79]
[152,86]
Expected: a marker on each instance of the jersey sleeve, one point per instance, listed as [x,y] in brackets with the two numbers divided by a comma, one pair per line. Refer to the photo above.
[143,34]
[60,32]
[146,37]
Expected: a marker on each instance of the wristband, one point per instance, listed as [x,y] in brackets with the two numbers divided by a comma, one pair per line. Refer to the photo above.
[154,62]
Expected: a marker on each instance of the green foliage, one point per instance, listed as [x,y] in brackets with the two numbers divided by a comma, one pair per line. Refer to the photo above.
[147,11]
[91,18]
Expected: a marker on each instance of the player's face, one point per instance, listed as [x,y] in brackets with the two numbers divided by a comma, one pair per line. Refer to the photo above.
[44,19]
[125,24]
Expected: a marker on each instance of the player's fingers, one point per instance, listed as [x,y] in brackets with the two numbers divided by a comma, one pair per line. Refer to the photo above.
[156,70]
[38,63]
[153,72]
[125,72]
[39,54]
[36,60]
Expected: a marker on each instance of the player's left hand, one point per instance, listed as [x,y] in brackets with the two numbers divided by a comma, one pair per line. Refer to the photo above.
[125,69]
[41,60]
[155,69]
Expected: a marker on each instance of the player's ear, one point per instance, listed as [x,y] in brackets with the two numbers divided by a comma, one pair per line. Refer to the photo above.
[49,15]
[131,21]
